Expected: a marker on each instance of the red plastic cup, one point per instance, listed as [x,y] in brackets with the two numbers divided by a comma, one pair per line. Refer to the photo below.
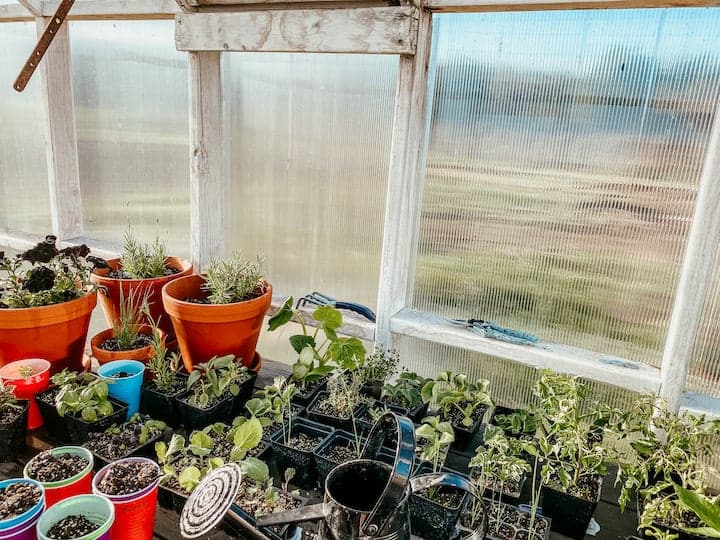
[79,484]
[135,512]
[27,387]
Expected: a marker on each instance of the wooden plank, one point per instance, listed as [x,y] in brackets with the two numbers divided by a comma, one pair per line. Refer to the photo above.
[384,30]
[480,6]
[696,276]
[14,13]
[596,366]
[207,191]
[403,201]
[117,9]
[61,140]
[32,6]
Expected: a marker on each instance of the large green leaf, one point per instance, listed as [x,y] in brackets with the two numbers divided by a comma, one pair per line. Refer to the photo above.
[255,469]
[329,317]
[347,352]
[202,440]
[189,478]
[282,316]
[177,443]
[708,512]
[300,341]
[249,434]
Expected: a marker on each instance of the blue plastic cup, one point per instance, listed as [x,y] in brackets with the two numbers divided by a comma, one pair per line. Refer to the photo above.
[22,527]
[125,389]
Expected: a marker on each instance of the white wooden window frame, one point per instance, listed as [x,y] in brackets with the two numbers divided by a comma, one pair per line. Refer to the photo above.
[205,28]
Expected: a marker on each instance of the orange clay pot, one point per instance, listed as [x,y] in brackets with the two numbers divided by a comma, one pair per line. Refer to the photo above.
[141,355]
[207,330]
[56,333]
[110,298]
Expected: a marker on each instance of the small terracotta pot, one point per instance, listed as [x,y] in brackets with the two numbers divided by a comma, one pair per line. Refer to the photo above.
[207,330]
[56,333]
[103,357]
[110,294]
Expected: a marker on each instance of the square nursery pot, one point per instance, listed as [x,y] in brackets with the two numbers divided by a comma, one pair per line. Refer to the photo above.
[283,532]
[196,418]
[681,534]
[416,414]
[246,391]
[464,435]
[332,420]
[302,460]
[143,450]
[508,497]
[298,411]
[364,420]
[79,430]
[54,423]
[337,439]
[570,515]
[12,433]
[304,397]
[517,523]
[431,520]
[161,406]
[500,410]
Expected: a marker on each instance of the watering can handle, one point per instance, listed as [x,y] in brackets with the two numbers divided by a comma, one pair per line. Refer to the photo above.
[424,481]
[396,488]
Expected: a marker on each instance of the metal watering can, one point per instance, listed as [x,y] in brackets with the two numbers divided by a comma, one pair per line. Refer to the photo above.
[365,499]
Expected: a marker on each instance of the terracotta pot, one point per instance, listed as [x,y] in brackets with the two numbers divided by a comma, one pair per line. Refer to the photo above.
[207,330]
[103,357]
[110,296]
[56,333]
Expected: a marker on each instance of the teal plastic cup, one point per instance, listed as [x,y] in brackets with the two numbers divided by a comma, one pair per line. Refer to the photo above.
[95,508]
[125,389]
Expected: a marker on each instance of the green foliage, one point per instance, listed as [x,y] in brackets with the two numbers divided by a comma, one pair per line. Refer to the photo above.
[406,391]
[44,275]
[165,371]
[141,261]
[82,395]
[453,394]
[344,397]
[275,401]
[380,366]
[521,422]
[8,401]
[215,379]
[317,359]
[706,509]
[498,458]
[434,437]
[234,280]
[127,326]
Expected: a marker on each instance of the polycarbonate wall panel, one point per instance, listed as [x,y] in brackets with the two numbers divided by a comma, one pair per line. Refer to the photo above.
[24,193]
[704,374]
[131,109]
[309,148]
[565,153]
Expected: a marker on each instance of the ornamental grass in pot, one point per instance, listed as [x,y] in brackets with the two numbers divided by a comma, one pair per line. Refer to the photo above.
[46,299]
[220,312]
[141,271]
[163,385]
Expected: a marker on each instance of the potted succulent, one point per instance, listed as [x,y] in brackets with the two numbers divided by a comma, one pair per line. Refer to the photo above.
[46,300]
[63,472]
[318,356]
[21,504]
[434,512]
[460,402]
[220,312]
[141,271]
[211,391]
[136,437]
[85,517]
[664,463]
[28,377]
[13,423]
[166,382]
[406,393]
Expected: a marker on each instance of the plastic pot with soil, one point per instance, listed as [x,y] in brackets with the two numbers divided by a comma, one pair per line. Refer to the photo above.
[509,522]
[338,448]
[434,512]
[247,385]
[131,484]
[79,429]
[514,422]
[163,405]
[571,512]
[63,472]
[124,377]
[508,492]
[83,517]
[414,412]
[13,427]
[105,346]
[29,377]
[254,500]
[193,417]
[320,410]
[21,504]
[54,423]
[307,391]
[464,433]
[295,447]
[134,438]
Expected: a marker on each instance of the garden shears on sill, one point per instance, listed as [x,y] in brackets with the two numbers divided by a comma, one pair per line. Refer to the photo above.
[491,330]
[319,299]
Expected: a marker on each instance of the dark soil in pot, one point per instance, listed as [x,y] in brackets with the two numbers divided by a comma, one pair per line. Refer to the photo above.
[79,430]
[320,410]
[252,500]
[127,477]
[509,522]
[305,438]
[13,427]
[140,342]
[464,434]
[54,423]
[571,512]
[308,392]
[18,498]
[46,467]
[337,449]
[126,440]
[161,405]
[434,513]
[416,413]
[197,418]
[69,527]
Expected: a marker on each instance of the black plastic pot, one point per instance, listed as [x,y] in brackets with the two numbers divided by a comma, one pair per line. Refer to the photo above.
[416,414]
[274,533]
[246,391]
[144,450]
[195,418]
[431,520]
[12,434]
[298,412]
[517,528]
[681,534]
[509,498]
[161,406]
[372,389]
[303,461]
[337,438]
[171,499]
[365,423]
[79,430]
[499,410]
[570,515]
[304,397]
[338,422]
[464,435]
[53,422]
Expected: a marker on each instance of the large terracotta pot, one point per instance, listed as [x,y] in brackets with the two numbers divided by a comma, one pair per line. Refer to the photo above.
[110,296]
[207,330]
[141,355]
[56,333]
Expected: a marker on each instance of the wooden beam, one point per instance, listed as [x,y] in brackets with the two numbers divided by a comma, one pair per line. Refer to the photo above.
[404,196]
[117,9]
[598,367]
[482,6]
[14,13]
[32,6]
[696,276]
[385,30]
[207,191]
[61,140]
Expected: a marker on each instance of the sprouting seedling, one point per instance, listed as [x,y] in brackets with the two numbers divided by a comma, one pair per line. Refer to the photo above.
[26,371]
[289,475]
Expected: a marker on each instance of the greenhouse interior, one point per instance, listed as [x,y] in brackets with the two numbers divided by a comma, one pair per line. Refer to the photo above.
[481,298]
